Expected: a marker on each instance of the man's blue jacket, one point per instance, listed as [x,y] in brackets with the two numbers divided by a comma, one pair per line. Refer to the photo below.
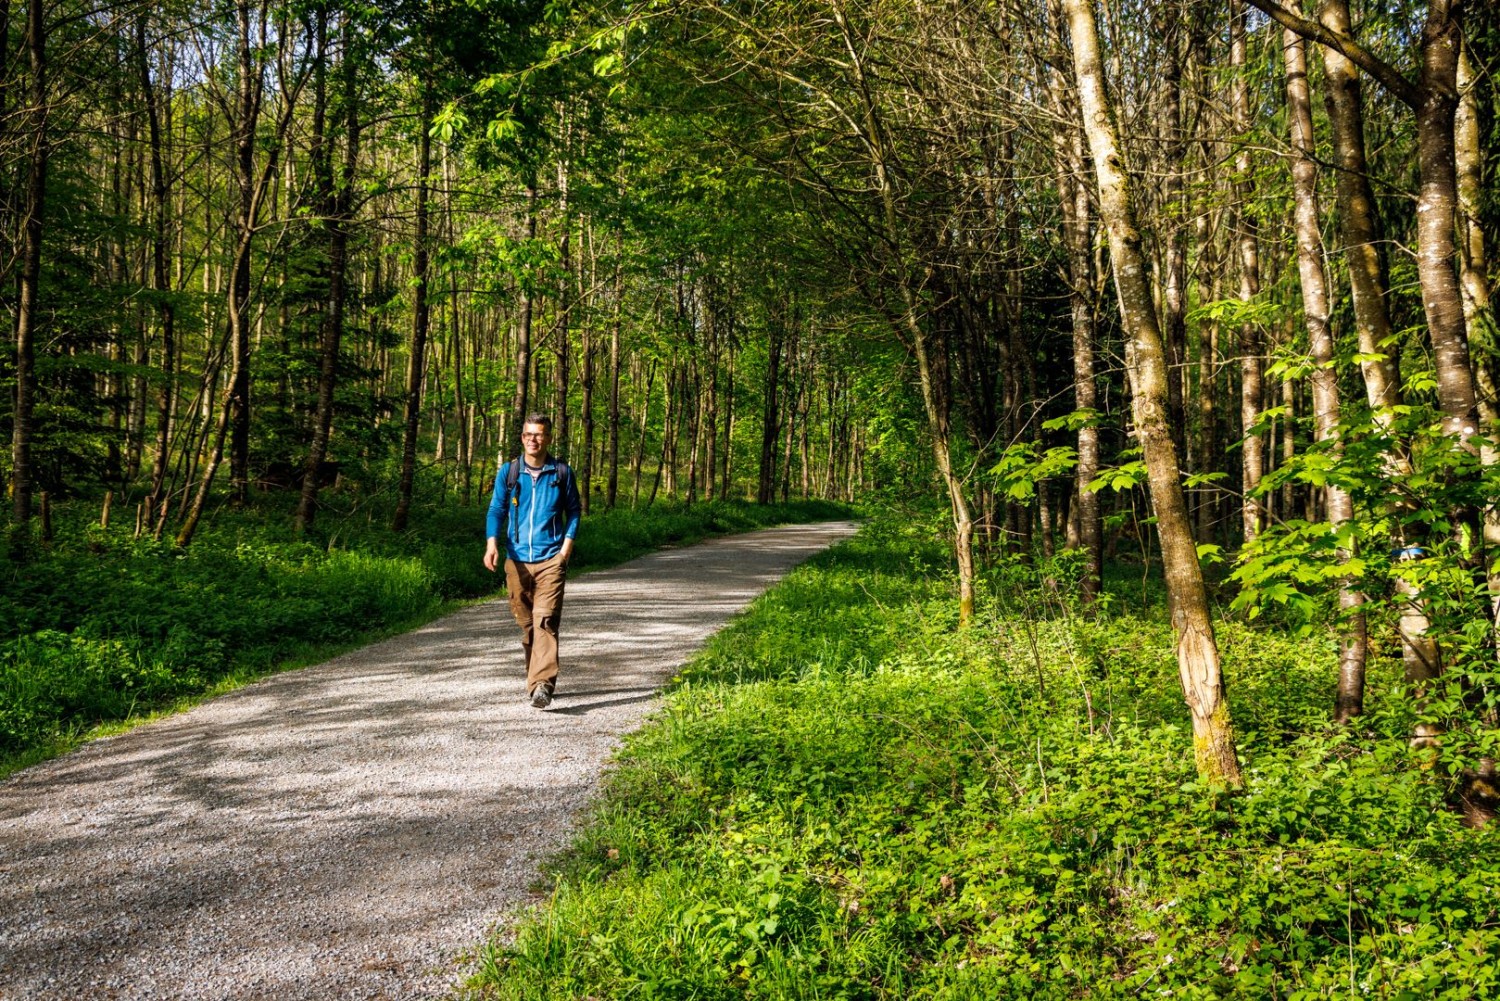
[539,515]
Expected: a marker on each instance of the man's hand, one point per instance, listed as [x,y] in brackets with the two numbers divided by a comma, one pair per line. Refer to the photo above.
[491,555]
[567,552]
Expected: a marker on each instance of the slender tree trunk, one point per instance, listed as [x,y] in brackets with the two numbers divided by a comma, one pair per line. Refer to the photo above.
[519,401]
[710,421]
[415,370]
[1437,205]
[1359,228]
[792,387]
[337,205]
[561,373]
[1349,701]
[1197,651]
[728,450]
[161,207]
[1174,291]
[614,380]
[249,96]
[638,456]
[27,305]
[1073,190]
[934,384]
[664,464]
[769,430]
[587,464]
[1474,273]
[1252,445]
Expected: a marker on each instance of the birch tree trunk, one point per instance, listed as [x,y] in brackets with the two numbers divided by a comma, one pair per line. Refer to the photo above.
[1197,651]
[1252,446]
[1349,701]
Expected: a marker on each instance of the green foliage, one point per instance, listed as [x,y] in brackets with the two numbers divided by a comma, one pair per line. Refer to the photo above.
[847,798]
[101,627]
[1025,464]
[1414,539]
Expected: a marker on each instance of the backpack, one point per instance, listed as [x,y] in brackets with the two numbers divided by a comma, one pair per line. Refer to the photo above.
[513,479]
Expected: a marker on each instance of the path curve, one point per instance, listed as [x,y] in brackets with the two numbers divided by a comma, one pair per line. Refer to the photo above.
[348,830]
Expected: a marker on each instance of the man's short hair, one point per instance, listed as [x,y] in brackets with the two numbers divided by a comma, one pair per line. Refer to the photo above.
[541,419]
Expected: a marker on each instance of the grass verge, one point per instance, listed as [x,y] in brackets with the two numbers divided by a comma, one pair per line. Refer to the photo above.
[845,798]
[99,631]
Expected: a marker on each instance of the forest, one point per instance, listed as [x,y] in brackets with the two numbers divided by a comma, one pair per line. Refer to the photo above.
[1153,340]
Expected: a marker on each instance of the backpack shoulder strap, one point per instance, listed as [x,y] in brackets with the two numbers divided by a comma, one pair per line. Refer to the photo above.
[512,475]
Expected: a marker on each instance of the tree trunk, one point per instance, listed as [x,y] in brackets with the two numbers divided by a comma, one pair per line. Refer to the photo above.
[1359,229]
[161,206]
[1349,701]
[764,493]
[249,95]
[727,452]
[586,476]
[1073,191]
[519,400]
[21,484]
[1174,291]
[1474,274]
[415,371]
[1252,445]
[1437,205]
[561,373]
[336,205]
[1197,652]
[614,381]
[638,456]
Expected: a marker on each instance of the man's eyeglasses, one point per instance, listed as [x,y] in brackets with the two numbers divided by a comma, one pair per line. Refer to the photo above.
[534,437]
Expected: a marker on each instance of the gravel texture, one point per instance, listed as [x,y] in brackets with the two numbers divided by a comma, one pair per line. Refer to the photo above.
[353,829]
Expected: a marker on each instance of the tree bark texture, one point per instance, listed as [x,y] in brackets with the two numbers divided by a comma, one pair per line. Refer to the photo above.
[27,305]
[416,357]
[1197,651]
[1316,306]
[1247,239]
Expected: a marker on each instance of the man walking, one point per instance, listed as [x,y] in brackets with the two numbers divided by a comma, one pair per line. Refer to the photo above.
[536,500]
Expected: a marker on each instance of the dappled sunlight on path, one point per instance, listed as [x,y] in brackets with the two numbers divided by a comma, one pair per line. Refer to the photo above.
[345,830]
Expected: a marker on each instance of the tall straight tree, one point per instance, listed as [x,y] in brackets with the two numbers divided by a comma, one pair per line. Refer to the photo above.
[335,196]
[1247,240]
[421,312]
[161,283]
[27,305]
[1197,650]
[1316,307]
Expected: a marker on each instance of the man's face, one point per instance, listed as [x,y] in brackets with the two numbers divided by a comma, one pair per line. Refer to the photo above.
[534,441]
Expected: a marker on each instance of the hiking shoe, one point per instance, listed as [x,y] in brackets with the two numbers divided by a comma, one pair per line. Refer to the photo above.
[541,696]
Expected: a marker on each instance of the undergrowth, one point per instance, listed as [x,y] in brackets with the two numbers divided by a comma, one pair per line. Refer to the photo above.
[99,627]
[846,798]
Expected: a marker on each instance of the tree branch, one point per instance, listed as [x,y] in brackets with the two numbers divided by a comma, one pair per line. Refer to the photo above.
[1399,86]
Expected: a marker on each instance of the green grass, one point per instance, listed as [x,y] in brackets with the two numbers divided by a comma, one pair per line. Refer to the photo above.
[845,798]
[99,630]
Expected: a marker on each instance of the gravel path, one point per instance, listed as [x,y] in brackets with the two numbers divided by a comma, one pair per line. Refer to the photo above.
[348,830]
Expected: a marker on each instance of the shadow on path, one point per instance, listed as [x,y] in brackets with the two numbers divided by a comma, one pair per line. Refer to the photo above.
[344,830]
